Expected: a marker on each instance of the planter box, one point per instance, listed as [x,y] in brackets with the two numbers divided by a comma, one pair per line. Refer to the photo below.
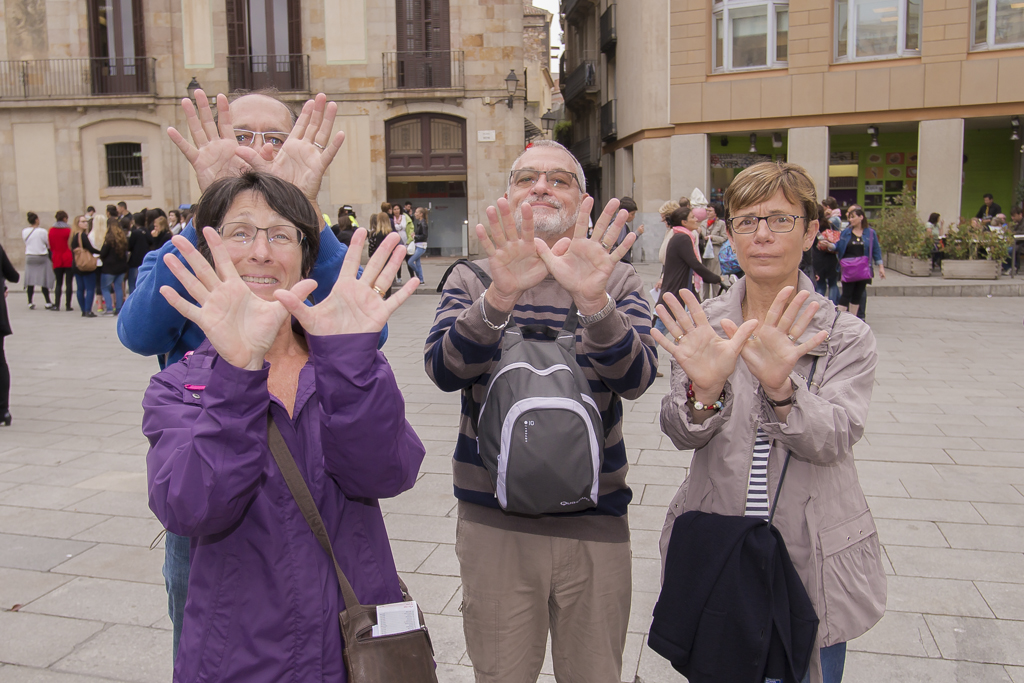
[970,270]
[890,260]
[914,267]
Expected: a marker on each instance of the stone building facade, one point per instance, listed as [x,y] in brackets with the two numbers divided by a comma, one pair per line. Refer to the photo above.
[87,90]
[871,96]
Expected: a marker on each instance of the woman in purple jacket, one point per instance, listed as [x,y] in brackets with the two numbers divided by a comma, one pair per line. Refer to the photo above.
[263,600]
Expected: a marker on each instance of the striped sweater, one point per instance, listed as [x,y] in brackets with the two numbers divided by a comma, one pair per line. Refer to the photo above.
[617,355]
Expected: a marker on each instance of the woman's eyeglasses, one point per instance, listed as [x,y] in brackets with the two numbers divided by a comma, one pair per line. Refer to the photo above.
[779,222]
[277,235]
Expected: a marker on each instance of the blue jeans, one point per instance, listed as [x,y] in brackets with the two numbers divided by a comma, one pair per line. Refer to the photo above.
[133,277]
[176,568]
[414,262]
[85,284]
[833,660]
[828,286]
[118,282]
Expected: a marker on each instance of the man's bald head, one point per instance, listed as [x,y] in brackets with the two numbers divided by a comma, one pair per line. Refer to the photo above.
[262,112]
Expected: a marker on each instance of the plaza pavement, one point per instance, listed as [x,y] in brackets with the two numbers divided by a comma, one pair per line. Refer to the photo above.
[83,600]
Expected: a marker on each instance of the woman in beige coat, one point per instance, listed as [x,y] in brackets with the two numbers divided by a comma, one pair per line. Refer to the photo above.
[740,398]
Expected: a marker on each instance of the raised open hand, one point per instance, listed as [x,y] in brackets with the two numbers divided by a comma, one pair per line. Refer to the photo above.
[772,348]
[583,264]
[310,148]
[515,265]
[353,306]
[241,326]
[706,358]
[213,153]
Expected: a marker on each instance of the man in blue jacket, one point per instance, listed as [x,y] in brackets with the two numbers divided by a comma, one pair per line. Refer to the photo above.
[294,148]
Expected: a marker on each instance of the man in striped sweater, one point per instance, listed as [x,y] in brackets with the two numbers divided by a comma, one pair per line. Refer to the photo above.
[569,573]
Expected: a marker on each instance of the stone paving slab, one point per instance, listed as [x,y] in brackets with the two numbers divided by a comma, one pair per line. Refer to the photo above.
[940,461]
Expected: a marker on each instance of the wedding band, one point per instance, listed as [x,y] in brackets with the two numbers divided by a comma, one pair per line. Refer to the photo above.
[377,289]
[791,338]
[318,145]
[678,338]
[753,337]
[605,246]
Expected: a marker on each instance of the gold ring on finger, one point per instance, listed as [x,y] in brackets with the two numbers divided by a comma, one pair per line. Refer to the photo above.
[606,247]
[378,290]
[678,338]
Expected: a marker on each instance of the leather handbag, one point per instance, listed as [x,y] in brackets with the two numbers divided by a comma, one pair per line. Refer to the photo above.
[406,657]
[85,261]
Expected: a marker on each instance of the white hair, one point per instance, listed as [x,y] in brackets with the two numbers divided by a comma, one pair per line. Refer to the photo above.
[578,171]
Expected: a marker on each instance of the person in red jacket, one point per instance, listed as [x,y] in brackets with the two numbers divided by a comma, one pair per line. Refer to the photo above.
[63,259]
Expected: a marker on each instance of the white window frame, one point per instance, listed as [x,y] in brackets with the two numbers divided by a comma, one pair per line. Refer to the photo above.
[990,36]
[722,9]
[851,35]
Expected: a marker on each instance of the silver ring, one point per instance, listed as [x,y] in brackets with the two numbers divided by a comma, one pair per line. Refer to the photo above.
[607,248]
[753,337]
[318,145]
[791,338]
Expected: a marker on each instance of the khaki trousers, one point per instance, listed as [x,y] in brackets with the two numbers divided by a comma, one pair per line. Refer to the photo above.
[517,586]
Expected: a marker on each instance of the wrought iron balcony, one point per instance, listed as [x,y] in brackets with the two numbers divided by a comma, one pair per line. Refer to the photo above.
[586,152]
[79,77]
[424,70]
[608,37]
[582,79]
[609,131]
[287,73]
[570,6]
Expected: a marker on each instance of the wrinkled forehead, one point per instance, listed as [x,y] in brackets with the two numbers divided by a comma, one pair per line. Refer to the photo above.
[261,114]
[546,159]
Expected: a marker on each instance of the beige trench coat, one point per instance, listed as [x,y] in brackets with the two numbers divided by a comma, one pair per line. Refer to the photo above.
[822,513]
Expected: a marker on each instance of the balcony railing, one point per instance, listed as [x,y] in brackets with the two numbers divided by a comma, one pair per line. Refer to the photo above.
[586,152]
[570,6]
[429,70]
[609,130]
[287,73]
[79,77]
[608,37]
[580,80]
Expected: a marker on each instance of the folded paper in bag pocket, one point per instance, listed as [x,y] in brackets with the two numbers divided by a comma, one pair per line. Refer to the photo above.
[398,617]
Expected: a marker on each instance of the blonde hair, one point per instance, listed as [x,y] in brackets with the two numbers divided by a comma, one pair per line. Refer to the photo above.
[762,181]
[380,224]
[160,224]
[75,229]
[667,208]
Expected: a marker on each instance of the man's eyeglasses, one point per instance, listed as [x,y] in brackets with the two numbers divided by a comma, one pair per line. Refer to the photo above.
[277,235]
[525,178]
[779,222]
[247,137]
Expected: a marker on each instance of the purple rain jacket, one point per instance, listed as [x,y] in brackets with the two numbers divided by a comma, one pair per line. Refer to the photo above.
[263,600]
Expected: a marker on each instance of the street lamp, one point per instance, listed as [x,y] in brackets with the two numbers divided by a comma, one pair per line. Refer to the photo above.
[753,143]
[548,120]
[511,84]
[192,86]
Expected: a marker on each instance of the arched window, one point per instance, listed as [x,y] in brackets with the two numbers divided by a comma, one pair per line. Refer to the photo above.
[750,34]
[426,143]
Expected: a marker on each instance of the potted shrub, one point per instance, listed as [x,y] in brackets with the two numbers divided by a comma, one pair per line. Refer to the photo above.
[972,252]
[902,235]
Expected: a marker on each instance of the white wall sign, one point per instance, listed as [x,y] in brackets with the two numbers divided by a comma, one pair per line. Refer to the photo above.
[485,136]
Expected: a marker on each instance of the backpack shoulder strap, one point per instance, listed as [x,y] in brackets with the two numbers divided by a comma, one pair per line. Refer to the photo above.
[480,273]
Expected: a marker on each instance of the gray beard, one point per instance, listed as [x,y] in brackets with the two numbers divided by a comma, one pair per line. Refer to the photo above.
[547,226]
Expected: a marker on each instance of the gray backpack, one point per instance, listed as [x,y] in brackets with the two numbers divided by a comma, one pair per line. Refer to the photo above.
[539,431]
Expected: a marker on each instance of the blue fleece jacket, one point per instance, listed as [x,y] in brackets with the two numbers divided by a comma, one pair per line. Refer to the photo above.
[149,326]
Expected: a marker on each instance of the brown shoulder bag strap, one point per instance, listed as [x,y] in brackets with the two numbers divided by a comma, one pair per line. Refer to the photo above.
[300,492]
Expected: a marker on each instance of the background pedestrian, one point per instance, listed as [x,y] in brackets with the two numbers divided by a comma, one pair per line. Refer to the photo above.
[62,259]
[38,269]
[85,280]
[9,274]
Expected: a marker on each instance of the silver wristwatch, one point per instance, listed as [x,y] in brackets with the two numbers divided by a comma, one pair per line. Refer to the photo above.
[600,315]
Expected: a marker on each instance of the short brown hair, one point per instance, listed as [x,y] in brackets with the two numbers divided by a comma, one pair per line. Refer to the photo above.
[281,196]
[761,181]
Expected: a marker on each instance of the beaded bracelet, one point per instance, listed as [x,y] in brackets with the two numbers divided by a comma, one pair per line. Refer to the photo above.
[692,398]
